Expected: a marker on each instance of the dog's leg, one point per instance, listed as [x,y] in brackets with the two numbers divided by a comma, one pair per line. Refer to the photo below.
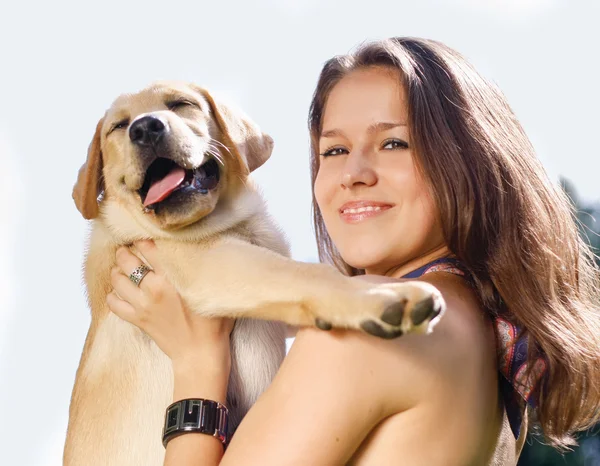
[257,351]
[236,279]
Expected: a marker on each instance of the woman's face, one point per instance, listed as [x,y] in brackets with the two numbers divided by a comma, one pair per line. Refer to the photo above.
[376,208]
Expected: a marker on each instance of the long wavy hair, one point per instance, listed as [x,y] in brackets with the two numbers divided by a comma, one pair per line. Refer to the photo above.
[513,228]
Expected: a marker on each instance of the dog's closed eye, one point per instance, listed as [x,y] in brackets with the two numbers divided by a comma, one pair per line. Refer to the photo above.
[121,124]
[179,103]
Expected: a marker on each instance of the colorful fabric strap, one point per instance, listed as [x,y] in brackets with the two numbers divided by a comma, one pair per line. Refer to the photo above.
[512,344]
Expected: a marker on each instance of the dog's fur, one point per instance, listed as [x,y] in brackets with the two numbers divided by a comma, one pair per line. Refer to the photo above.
[225,256]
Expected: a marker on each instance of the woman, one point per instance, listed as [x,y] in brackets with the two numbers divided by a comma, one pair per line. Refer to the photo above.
[418,164]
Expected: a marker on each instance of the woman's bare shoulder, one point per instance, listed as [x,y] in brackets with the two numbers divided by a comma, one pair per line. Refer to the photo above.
[466,326]
[408,368]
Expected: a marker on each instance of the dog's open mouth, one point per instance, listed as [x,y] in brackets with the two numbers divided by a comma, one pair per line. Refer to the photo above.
[164,177]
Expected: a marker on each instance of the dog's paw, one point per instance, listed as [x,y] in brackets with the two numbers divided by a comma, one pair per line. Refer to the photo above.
[408,307]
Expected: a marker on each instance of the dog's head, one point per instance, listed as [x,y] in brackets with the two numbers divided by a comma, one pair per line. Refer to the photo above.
[171,151]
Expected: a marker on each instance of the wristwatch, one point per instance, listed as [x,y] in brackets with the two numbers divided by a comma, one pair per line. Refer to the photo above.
[196,415]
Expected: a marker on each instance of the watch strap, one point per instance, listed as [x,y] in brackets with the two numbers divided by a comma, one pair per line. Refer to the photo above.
[196,415]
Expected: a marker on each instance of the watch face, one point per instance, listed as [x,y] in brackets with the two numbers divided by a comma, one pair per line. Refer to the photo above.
[171,419]
[191,413]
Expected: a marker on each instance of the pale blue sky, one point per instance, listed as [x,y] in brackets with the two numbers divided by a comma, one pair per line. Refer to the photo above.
[63,62]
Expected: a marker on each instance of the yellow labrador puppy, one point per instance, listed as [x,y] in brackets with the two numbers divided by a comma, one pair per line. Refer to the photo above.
[172,163]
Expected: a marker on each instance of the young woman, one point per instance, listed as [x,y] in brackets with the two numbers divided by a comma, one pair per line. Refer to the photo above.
[419,170]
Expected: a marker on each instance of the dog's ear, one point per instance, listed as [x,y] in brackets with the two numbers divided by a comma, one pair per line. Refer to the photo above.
[89,183]
[241,135]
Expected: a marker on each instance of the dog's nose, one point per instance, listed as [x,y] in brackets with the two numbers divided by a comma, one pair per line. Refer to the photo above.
[147,130]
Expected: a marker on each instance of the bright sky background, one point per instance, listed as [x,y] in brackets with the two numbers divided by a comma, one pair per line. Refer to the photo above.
[63,62]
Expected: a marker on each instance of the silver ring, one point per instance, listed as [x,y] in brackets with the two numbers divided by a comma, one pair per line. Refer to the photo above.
[138,274]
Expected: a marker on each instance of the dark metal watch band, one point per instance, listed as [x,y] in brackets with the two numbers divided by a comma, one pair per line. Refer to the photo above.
[196,415]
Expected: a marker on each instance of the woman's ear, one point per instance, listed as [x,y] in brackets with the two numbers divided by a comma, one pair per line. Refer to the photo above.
[89,183]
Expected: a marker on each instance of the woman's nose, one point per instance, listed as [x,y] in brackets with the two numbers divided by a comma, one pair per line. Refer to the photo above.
[358,171]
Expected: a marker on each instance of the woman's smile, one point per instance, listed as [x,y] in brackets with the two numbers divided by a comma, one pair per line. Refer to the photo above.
[359,211]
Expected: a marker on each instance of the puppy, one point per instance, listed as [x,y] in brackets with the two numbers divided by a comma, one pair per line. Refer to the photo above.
[172,163]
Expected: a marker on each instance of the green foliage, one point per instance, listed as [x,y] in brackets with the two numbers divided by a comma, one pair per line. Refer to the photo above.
[588,452]
[588,217]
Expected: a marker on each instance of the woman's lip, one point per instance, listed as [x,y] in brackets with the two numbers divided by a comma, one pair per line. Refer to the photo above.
[356,205]
[355,212]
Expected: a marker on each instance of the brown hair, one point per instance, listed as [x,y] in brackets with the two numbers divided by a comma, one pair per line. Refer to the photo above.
[500,214]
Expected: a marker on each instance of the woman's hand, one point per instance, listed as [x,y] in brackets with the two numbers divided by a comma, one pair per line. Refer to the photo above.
[156,307]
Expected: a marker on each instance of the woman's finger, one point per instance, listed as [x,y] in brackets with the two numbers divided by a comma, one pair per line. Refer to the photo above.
[120,308]
[127,290]
[127,260]
[150,252]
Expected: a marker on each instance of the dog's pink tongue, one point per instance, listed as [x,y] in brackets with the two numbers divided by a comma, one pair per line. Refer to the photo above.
[160,189]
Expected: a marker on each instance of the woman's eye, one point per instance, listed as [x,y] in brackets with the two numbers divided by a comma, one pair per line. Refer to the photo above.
[334,151]
[395,144]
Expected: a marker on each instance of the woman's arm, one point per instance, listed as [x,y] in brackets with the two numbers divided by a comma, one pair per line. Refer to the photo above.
[326,398]
[198,379]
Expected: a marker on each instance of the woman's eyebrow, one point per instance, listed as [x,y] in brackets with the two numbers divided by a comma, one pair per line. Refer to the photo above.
[332,133]
[372,129]
[384,126]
